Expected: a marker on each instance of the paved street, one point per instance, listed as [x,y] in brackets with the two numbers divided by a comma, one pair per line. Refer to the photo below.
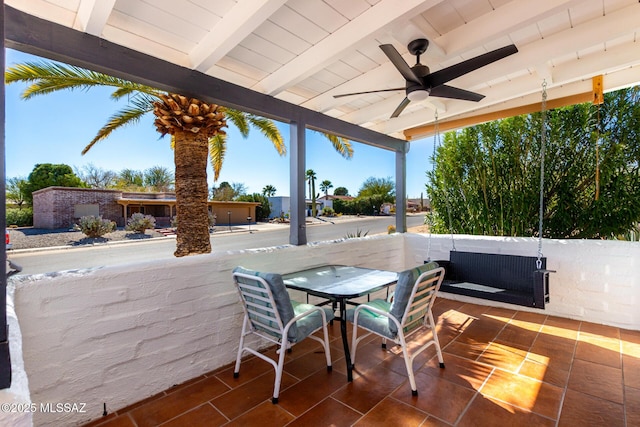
[262,235]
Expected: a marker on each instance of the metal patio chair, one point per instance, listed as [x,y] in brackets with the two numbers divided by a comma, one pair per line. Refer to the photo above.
[401,315]
[270,314]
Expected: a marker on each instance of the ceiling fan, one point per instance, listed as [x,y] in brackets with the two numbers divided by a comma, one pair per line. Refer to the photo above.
[420,83]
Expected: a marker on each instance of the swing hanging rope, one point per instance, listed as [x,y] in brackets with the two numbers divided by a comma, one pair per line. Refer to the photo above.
[543,143]
[436,145]
[433,172]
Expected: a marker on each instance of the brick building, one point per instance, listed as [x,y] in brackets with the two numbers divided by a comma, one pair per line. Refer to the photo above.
[61,207]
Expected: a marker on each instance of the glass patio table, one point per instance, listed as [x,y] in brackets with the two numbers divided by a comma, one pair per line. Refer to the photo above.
[338,284]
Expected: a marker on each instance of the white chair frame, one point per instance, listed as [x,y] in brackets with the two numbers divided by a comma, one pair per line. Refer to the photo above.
[267,314]
[434,278]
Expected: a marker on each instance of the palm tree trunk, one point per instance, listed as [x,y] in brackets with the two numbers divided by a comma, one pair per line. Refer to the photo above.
[191,155]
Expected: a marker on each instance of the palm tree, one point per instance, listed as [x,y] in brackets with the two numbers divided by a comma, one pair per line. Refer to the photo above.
[311,179]
[325,186]
[159,178]
[130,180]
[196,129]
[269,190]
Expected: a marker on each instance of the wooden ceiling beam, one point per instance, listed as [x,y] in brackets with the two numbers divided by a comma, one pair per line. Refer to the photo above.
[429,130]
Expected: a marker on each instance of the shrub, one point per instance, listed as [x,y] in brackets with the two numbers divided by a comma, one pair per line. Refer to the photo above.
[328,211]
[20,217]
[357,234]
[95,226]
[140,222]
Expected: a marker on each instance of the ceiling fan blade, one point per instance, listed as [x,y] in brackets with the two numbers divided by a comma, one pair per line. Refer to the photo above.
[441,77]
[402,66]
[400,107]
[445,91]
[369,91]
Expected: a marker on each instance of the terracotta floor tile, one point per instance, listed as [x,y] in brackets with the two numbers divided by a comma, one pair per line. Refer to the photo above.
[596,380]
[329,412]
[559,327]
[177,402]
[579,409]
[490,379]
[311,390]
[531,318]
[630,335]
[468,350]
[473,310]
[445,307]
[396,361]
[436,396]
[563,322]
[392,412]
[632,406]
[203,416]
[492,413]
[602,351]
[553,352]
[502,314]
[250,368]
[630,348]
[456,320]
[515,336]
[504,357]
[372,386]
[446,334]
[543,372]
[371,354]
[599,331]
[478,331]
[113,421]
[241,399]
[523,392]
[631,371]
[458,370]
[312,362]
[265,414]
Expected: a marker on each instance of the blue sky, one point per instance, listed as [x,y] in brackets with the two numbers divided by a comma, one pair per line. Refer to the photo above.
[55,128]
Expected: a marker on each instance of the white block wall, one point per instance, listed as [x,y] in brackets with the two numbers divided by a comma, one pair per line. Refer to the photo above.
[118,335]
[596,280]
[18,414]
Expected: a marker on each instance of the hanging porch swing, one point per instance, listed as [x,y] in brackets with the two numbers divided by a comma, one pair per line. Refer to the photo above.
[513,279]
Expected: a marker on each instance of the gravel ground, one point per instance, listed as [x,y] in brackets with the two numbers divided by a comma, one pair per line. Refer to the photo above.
[27,238]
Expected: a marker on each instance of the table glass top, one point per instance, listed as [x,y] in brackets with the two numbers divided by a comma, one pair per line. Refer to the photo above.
[340,280]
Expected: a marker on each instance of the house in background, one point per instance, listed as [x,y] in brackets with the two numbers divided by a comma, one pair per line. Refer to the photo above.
[327,201]
[419,205]
[280,206]
[61,207]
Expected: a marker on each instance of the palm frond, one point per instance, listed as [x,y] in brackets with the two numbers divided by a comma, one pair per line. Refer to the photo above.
[128,115]
[149,94]
[239,120]
[342,145]
[269,129]
[217,150]
[48,77]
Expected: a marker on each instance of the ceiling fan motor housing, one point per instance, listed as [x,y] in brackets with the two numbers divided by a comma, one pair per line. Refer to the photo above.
[416,91]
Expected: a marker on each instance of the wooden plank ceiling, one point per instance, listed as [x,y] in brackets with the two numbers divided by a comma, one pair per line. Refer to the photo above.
[306,51]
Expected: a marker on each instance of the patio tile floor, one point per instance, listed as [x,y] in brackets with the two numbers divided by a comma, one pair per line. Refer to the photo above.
[503,368]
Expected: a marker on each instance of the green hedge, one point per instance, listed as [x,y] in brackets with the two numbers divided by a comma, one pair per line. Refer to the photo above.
[20,217]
